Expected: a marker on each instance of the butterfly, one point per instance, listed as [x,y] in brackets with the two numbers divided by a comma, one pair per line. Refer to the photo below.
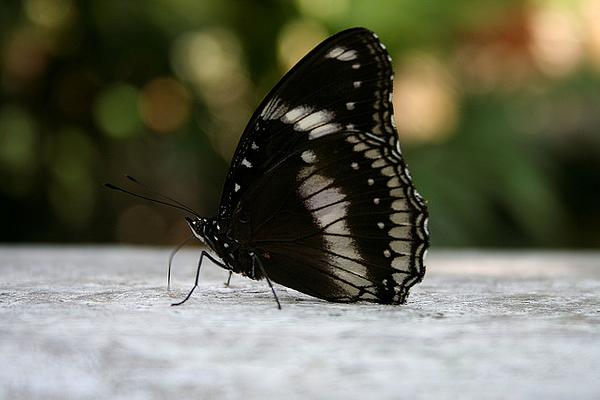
[318,197]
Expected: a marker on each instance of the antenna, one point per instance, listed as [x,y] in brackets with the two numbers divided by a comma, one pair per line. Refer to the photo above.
[177,206]
[154,192]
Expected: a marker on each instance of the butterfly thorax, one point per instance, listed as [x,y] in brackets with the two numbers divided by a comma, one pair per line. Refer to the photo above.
[235,256]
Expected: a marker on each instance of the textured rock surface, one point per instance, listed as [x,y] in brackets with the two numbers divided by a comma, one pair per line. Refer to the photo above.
[96,323]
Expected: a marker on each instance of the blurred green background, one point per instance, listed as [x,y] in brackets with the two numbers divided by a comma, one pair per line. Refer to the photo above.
[497,103]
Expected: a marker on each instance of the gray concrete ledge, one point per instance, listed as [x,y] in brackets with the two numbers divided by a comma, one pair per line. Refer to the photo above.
[95,322]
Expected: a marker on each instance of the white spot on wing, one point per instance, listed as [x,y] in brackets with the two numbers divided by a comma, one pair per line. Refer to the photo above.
[313,120]
[401,246]
[398,205]
[333,220]
[399,263]
[356,66]
[400,218]
[274,109]
[325,198]
[319,196]
[313,184]
[394,182]
[347,56]
[306,171]
[373,154]
[397,192]
[246,163]
[335,52]
[360,147]
[350,106]
[400,232]
[357,84]
[388,171]
[381,162]
[236,187]
[339,228]
[254,146]
[323,130]
[309,156]
[295,114]
[336,213]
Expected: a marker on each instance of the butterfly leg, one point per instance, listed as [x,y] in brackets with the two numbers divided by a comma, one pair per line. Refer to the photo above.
[171,260]
[204,253]
[256,260]
[228,279]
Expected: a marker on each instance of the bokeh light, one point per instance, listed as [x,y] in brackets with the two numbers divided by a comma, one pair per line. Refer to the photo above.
[590,9]
[116,111]
[164,105]
[557,43]
[212,62]
[209,60]
[425,100]
[49,13]
[25,58]
[18,139]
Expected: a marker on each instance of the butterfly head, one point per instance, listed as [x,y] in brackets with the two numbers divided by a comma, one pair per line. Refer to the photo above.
[198,227]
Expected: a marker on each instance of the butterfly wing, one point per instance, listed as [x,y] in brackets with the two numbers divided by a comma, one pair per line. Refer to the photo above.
[318,186]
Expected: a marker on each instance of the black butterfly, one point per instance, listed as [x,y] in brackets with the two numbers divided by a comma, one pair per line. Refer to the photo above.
[318,197]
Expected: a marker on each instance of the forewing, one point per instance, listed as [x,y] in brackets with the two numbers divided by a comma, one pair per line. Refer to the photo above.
[318,186]
[346,77]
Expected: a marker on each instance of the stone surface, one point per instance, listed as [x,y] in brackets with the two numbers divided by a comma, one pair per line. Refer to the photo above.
[95,322]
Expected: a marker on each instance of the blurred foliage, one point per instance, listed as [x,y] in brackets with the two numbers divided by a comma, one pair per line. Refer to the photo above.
[496,103]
